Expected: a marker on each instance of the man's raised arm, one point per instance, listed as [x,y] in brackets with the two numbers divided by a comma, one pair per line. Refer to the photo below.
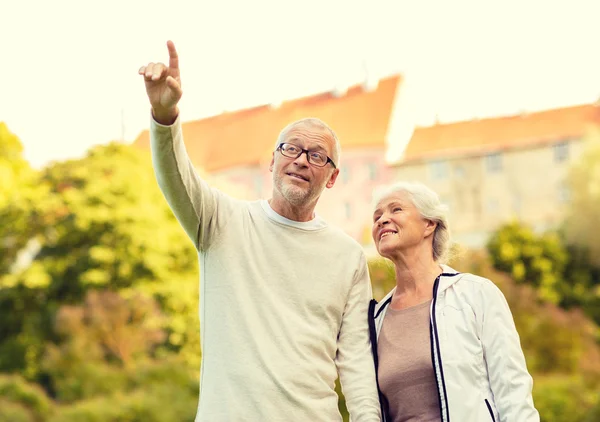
[193,202]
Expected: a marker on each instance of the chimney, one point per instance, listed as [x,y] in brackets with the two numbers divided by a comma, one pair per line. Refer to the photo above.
[370,82]
[339,90]
[275,103]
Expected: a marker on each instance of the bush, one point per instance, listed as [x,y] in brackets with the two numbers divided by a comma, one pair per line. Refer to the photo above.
[18,394]
[564,399]
[554,340]
[159,403]
[14,412]
[383,276]
[154,392]
[84,380]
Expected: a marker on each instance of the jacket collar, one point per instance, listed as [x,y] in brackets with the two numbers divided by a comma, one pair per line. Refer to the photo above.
[448,277]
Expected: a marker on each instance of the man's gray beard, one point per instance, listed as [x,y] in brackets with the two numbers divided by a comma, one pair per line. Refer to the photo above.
[296,196]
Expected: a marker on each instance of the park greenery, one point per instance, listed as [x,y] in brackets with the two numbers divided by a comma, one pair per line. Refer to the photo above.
[99,293]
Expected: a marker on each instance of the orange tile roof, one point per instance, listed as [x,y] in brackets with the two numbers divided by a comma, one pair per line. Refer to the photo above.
[360,119]
[497,133]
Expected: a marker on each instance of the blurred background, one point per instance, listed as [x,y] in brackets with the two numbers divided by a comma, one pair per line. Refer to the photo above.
[495,105]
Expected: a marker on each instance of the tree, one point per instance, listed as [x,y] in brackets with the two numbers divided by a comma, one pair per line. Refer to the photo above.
[99,341]
[107,227]
[22,401]
[580,229]
[21,202]
[584,183]
[560,346]
[383,276]
[538,260]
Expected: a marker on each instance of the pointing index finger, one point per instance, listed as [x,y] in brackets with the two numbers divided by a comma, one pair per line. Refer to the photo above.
[173,57]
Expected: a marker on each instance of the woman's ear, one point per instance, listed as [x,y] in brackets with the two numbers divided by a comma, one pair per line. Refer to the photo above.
[430,227]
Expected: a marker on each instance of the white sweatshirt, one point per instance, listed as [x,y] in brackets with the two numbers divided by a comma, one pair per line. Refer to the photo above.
[283,304]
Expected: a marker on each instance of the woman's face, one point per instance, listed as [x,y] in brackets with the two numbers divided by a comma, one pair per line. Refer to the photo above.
[398,225]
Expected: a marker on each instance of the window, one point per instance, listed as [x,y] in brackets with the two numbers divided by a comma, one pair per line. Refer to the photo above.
[348,210]
[258,184]
[492,205]
[493,162]
[517,204]
[459,171]
[372,169]
[345,174]
[447,201]
[438,170]
[561,152]
[564,193]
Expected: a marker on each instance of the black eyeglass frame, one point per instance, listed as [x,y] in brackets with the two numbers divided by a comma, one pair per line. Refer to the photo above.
[304,151]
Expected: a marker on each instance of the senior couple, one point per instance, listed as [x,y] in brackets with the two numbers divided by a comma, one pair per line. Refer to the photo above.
[286,303]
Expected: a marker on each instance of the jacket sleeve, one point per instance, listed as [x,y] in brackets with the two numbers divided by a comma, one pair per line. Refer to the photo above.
[354,359]
[510,381]
[194,203]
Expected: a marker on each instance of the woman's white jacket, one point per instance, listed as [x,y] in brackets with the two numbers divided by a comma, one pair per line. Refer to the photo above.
[476,352]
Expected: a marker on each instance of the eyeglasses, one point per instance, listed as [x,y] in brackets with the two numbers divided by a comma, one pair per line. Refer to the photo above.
[315,158]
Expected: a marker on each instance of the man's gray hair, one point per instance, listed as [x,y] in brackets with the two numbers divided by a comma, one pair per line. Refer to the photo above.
[428,203]
[313,121]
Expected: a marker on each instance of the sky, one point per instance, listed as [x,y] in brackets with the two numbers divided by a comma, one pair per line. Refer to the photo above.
[69,79]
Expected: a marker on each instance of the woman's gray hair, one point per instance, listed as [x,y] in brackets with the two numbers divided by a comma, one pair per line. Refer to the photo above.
[428,203]
[313,121]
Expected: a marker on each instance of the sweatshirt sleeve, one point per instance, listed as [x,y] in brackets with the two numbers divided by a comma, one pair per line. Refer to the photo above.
[354,358]
[507,370]
[194,203]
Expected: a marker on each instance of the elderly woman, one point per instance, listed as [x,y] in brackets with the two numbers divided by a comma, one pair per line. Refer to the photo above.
[444,342]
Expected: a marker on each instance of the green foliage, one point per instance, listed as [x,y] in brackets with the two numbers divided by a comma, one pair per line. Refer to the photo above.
[564,399]
[114,223]
[554,340]
[14,412]
[22,201]
[98,340]
[582,279]
[22,401]
[594,414]
[341,401]
[156,392]
[383,276]
[104,226]
[560,273]
[538,260]
[584,184]
[579,229]
[98,291]
[560,346]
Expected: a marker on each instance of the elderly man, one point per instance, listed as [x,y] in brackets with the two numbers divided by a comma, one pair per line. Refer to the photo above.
[284,295]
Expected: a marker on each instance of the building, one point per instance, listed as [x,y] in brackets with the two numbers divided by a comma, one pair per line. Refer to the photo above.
[493,170]
[488,171]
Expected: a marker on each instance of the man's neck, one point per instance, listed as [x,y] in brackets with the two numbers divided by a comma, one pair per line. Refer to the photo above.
[287,210]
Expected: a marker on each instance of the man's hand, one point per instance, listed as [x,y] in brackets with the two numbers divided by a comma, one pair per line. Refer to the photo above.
[163,87]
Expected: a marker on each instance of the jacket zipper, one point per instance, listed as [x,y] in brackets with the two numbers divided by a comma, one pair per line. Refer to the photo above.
[441,391]
[487,403]
[373,338]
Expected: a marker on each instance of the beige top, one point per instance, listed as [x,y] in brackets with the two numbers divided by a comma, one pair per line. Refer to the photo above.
[283,304]
[406,375]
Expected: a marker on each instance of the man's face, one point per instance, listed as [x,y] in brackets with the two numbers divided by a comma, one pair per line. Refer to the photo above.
[299,182]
